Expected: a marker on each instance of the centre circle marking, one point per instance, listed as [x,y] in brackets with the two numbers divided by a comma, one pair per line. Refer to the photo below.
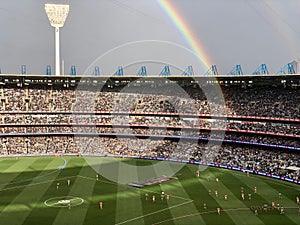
[63,201]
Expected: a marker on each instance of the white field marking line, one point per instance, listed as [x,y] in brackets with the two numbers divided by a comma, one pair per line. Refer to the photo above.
[149,214]
[65,204]
[198,214]
[33,184]
[141,189]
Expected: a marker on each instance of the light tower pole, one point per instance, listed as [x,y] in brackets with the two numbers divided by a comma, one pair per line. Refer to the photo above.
[57,15]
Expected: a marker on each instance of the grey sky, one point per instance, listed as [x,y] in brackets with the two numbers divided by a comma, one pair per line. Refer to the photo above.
[246,32]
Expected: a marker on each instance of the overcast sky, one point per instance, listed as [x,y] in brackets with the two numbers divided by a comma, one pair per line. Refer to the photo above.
[246,32]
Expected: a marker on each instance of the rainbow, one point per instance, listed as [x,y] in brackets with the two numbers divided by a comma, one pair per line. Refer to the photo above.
[186,31]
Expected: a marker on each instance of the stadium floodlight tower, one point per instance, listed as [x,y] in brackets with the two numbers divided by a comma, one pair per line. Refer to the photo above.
[57,15]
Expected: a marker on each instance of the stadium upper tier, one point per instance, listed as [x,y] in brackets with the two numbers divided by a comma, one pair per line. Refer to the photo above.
[263,96]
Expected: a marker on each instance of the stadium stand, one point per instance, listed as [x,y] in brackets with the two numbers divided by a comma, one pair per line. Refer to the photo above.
[261,125]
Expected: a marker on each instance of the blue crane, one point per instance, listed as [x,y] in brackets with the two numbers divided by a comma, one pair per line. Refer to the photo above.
[262,69]
[119,72]
[165,71]
[212,70]
[188,71]
[96,71]
[237,70]
[23,69]
[288,68]
[73,70]
[48,70]
[142,71]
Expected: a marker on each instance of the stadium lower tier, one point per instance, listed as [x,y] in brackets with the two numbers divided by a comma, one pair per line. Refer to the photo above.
[258,159]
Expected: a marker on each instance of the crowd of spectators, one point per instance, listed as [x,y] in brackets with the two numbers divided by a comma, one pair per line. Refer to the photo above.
[38,145]
[148,121]
[63,117]
[254,101]
[246,157]
[250,138]
[274,162]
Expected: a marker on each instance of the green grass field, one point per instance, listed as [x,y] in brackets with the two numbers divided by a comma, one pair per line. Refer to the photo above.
[29,195]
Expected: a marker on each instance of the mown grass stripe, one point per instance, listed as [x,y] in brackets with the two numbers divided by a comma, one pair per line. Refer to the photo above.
[239,218]
[48,214]
[6,163]
[80,188]
[128,206]
[9,174]
[159,209]
[26,200]
[229,179]
[107,193]
[268,192]
[187,183]
[22,179]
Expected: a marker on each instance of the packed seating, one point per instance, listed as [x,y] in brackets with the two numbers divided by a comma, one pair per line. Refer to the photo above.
[245,157]
[255,101]
[47,120]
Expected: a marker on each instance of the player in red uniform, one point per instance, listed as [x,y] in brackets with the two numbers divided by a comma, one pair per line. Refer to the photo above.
[219,210]
[100,205]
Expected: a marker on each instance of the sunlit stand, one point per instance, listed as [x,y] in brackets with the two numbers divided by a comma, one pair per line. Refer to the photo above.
[57,14]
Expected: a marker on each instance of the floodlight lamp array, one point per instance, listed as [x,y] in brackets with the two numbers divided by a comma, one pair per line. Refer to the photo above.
[57,14]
